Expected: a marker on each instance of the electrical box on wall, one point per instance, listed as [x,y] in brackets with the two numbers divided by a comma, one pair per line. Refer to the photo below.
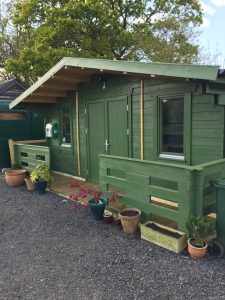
[51,130]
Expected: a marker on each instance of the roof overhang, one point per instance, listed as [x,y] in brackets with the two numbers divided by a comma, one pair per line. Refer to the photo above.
[69,72]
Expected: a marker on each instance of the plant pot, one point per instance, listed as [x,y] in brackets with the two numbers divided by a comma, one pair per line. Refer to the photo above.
[97,209]
[41,186]
[196,252]
[107,217]
[15,177]
[130,218]
[116,219]
[30,184]
[164,236]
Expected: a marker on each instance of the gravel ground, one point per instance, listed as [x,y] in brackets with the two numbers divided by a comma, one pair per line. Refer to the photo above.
[48,252]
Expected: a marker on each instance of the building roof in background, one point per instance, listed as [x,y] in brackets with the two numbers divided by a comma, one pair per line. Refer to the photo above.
[11,89]
[69,72]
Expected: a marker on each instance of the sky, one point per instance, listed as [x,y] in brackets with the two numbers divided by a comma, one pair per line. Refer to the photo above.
[212,37]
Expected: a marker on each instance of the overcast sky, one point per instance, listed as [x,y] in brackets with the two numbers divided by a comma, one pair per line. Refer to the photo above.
[213,28]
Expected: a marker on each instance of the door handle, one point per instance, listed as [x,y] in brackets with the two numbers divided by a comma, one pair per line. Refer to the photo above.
[106,145]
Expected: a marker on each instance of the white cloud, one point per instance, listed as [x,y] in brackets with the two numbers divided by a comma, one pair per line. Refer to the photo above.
[218,3]
[208,9]
[206,22]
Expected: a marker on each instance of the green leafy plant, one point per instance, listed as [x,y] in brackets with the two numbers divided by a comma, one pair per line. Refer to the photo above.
[16,166]
[199,229]
[40,173]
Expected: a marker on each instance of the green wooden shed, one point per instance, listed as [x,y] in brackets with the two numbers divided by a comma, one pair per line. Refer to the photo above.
[153,131]
[18,124]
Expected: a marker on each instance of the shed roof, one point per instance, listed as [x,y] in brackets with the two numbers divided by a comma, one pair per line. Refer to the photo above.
[10,89]
[69,72]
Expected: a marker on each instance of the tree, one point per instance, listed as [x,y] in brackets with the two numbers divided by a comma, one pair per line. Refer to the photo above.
[113,29]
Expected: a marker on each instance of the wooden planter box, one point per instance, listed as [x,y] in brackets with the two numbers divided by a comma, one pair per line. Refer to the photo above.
[162,239]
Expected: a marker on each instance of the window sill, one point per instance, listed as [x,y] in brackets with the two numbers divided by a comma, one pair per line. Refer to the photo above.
[66,146]
[172,157]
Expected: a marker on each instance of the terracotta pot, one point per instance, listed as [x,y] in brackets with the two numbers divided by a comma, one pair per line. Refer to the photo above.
[116,219]
[196,252]
[130,218]
[107,217]
[15,177]
[30,184]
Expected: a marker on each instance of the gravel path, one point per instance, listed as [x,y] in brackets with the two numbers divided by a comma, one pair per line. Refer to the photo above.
[48,252]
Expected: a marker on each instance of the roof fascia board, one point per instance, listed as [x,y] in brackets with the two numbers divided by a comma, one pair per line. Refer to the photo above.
[162,69]
[38,83]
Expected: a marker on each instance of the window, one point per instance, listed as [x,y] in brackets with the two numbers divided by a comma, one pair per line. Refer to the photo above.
[172,127]
[66,127]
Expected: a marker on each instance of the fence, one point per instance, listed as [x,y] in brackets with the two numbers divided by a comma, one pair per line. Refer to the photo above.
[166,190]
[29,153]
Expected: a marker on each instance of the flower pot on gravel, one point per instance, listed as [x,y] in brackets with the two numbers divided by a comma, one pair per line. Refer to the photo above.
[196,251]
[15,177]
[164,236]
[41,186]
[130,219]
[30,185]
[200,228]
[41,176]
[107,217]
[97,208]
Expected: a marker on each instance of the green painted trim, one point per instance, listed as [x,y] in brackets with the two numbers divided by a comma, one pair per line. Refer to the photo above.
[157,127]
[187,127]
[130,67]
[221,100]
[70,107]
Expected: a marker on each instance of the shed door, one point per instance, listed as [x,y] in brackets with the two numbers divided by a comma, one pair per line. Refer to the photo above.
[107,131]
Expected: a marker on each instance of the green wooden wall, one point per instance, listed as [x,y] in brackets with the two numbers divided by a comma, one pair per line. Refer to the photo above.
[63,159]
[29,128]
[206,120]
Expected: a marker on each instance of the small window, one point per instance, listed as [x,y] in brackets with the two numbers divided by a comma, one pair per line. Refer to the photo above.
[172,127]
[66,128]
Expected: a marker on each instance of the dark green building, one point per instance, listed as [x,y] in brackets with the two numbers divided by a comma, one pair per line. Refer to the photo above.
[17,124]
[154,131]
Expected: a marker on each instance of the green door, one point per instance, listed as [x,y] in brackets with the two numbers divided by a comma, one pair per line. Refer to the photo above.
[107,131]
[95,136]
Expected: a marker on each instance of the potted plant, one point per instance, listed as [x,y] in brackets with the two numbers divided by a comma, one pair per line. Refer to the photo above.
[199,229]
[41,176]
[95,201]
[15,175]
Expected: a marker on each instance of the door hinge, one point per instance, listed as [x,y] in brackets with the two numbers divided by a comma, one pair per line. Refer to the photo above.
[87,172]
[85,111]
[128,131]
[86,131]
[127,107]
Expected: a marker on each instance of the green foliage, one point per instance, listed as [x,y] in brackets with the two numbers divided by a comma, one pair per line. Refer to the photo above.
[200,228]
[40,173]
[112,29]
[16,166]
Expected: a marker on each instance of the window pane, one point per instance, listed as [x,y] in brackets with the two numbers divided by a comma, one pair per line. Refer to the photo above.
[172,125]
[66,136]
